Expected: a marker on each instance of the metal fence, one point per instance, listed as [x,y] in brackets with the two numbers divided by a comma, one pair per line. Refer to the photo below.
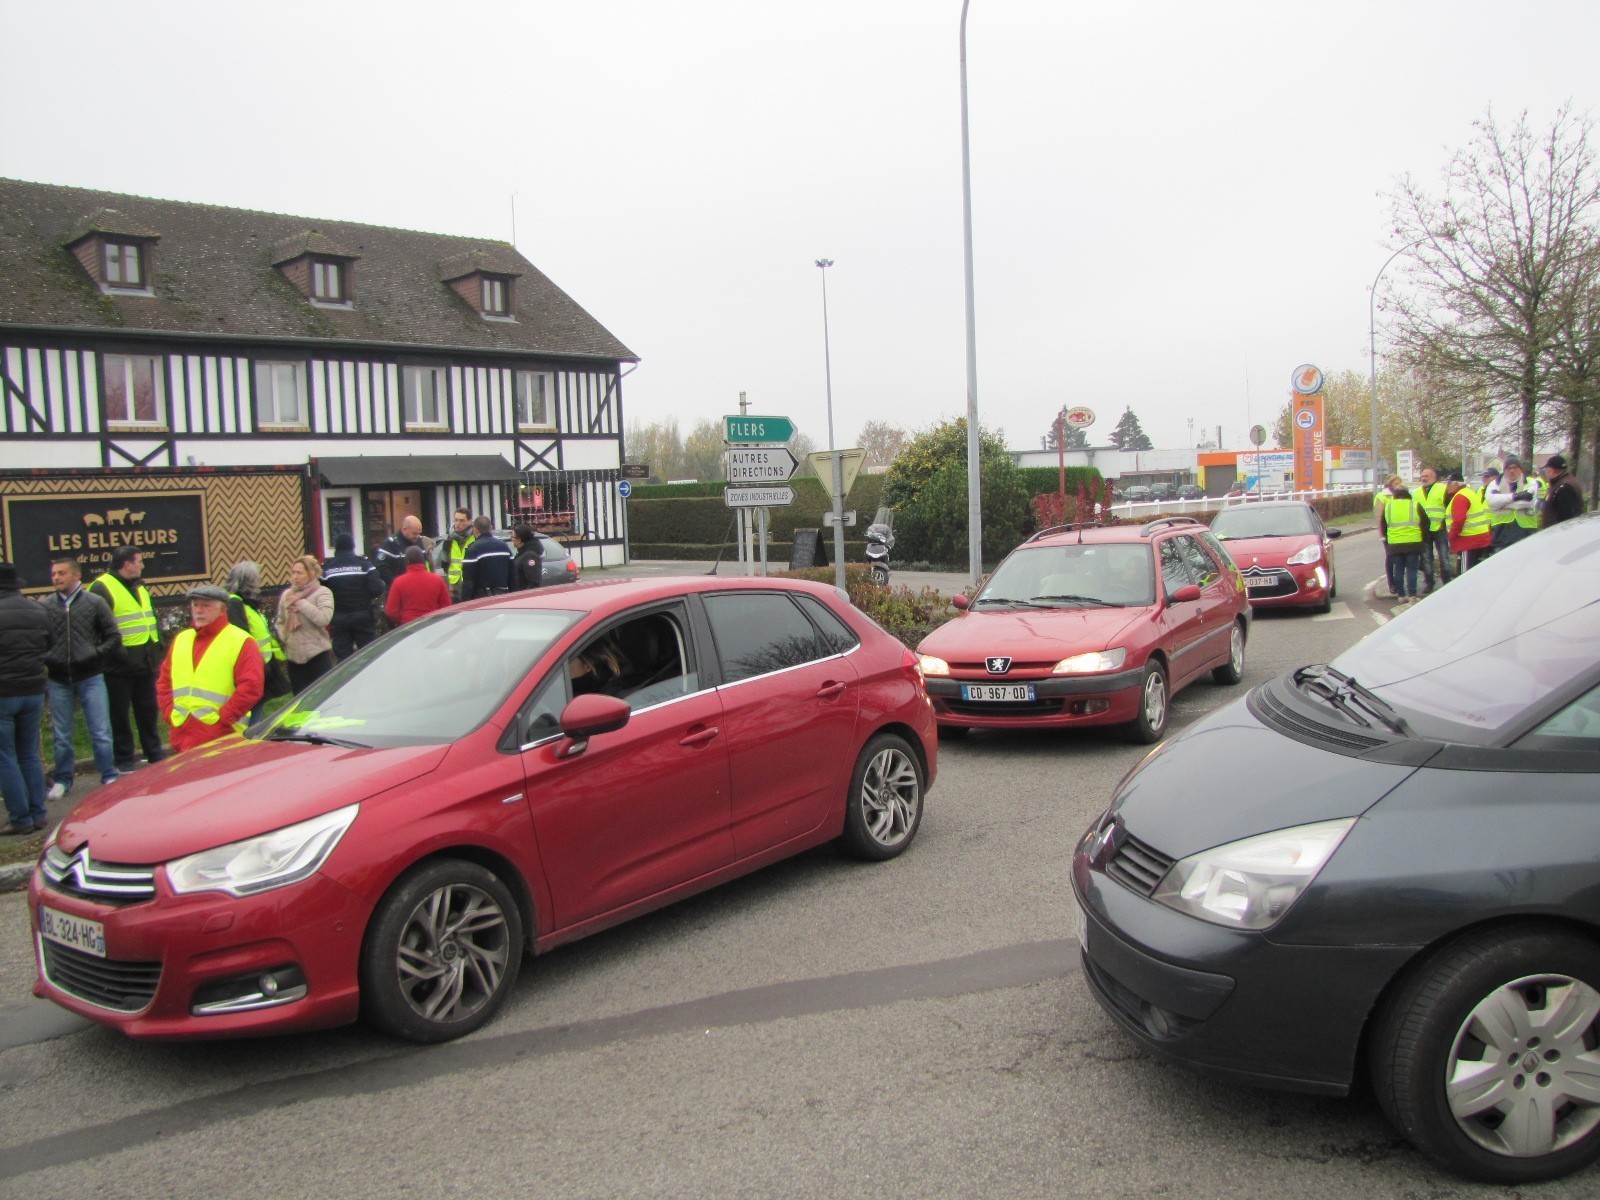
[1153,508]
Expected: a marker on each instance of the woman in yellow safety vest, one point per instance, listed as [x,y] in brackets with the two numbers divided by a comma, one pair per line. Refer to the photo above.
[1401,521]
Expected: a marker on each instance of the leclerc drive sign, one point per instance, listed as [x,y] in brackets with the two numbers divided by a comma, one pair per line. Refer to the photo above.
[755,430]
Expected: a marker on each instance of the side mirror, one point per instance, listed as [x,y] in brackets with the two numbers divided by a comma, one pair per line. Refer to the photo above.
[1333,533]
[587,716]
[960,602]
[1184,594]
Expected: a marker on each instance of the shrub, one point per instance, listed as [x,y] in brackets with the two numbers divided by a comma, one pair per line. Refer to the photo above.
[927,487]
[907,615]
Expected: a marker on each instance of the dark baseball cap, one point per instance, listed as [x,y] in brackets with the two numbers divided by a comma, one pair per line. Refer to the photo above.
[1558,461]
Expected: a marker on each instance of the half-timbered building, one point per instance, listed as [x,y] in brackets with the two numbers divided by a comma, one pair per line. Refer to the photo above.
[409,373]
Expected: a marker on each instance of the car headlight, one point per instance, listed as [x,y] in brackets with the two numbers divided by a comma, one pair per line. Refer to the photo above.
[1311,554]
[933,666]
[1088,664]
[258,864]
[1251,883]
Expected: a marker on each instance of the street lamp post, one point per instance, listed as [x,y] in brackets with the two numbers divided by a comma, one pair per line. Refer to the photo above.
[837,483]
[974,497]
[1372,345]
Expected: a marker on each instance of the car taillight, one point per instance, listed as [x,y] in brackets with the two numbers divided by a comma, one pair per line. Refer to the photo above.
[572,567]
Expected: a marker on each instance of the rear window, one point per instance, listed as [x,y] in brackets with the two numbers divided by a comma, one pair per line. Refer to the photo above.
[1484,649]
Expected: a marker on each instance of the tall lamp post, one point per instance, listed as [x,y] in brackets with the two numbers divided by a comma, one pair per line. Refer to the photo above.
[1372,344]
[836,487]
[974,497]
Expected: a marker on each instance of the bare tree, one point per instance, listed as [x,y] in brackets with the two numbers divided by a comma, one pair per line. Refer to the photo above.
[1575,379]
[1498,260]
[882,442]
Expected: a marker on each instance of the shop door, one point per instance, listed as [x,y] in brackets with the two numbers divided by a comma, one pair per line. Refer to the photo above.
[386,509]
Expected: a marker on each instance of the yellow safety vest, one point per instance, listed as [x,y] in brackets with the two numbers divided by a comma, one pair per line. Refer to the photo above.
[135,618]
[454,553]
[200,690]
[1530,518]
[260,631]
[1434,504]
[1400,522]
[1477,521]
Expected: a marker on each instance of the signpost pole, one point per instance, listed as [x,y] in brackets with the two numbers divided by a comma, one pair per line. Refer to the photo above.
[1061,457]
[761,518]
[838,520]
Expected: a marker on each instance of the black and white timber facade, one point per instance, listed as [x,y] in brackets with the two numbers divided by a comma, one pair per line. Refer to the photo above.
[413,372]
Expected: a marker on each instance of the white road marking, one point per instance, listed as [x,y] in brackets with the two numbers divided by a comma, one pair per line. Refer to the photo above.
[1339,612]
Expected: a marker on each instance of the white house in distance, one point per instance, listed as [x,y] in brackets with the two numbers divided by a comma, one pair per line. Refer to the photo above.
[402,372]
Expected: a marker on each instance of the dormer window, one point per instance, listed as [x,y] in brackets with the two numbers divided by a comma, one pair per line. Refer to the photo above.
[496,291]
[114,250]
[327,280]
[124,264]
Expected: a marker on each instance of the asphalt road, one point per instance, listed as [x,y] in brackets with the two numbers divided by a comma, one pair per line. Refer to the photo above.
[822,1028]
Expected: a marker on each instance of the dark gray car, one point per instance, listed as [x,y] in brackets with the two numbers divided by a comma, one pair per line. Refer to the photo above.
[557,566]
[1387,865]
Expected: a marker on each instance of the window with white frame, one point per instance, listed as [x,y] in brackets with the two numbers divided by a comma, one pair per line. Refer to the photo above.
[135,390]
[281,394]
[495,297]
[327,281]
[124,265]
[535,400]
[427,395]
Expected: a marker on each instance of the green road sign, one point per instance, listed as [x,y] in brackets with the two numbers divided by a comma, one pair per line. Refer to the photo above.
[757,429]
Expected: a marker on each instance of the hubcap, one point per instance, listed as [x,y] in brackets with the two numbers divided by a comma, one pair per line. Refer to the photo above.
[1155,701]
[890,796]
[453,953]
[1523,1078]
[1236,650]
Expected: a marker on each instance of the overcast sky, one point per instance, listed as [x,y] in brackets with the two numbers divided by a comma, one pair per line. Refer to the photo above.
[1174,203]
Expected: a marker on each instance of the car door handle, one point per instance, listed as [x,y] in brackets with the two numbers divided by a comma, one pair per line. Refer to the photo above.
[700,738]
[829,690]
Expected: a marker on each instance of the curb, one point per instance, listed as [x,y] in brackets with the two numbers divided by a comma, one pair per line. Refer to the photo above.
[14,876]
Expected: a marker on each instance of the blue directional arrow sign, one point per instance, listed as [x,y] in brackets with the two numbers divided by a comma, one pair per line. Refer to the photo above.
[624,488]
[755,430]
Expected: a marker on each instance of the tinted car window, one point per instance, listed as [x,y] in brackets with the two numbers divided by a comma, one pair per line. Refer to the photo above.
[1244,521]
[394,692]
[757,633]
[1513,629]
[1201,566]
[837,637]
[1072,575]
[1174,571]
[643,660]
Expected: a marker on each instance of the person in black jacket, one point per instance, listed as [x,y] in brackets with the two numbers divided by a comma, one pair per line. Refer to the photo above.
[486,566]
[391,555]
[527,568]
[86,639]
[355,584]
[25,639]
[131,675]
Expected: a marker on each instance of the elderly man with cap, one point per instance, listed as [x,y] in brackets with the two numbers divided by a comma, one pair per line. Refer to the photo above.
[1469,521]
[1563,499]
[1513,502]
[213,675]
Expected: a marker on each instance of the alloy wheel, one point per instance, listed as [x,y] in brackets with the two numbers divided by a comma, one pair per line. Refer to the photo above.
[453,953]
[891,793]
[1155,700]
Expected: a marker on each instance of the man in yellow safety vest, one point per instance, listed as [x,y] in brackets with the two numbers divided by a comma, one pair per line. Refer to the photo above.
[453,549]
[131,677]
[212,677]
[1435,499]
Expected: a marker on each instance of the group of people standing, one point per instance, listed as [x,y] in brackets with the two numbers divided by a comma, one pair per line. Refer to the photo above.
[1425,527]
[98,649]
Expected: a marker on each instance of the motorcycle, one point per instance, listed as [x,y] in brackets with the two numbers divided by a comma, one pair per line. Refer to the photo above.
[880,540]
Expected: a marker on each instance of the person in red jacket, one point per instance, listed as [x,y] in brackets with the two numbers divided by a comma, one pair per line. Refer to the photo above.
[417,592]
[1476,546]
[195,717]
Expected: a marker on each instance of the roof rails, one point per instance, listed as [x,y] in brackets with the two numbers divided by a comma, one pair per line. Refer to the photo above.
[1054,529]
[1151,526]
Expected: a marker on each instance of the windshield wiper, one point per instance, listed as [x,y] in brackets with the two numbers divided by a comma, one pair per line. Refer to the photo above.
[1007,600]
[1349,697]
[1094,600]
[316,739]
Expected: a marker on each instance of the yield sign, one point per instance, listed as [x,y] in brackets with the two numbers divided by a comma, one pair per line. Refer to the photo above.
[850,461]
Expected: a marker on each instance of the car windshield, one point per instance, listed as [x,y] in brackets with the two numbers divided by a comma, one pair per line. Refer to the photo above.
[430,681]
[1291,520]
[1470,662]
[1082,575]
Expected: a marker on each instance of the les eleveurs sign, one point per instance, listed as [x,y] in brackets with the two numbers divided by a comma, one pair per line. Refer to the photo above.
[168,527]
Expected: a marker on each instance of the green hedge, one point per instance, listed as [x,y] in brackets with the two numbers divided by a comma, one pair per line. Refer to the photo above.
[1048,479]
[704,520]
[777,552]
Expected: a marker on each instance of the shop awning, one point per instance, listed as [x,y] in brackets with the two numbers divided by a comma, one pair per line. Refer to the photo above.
[394,470]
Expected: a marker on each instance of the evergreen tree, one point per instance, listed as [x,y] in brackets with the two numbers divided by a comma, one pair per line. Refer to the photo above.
[1128,435]
[1076,439]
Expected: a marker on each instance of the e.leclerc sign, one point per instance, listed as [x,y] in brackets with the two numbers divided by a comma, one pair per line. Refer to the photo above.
[753,430]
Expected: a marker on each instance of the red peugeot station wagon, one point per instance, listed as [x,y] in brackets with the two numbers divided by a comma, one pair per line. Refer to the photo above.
[501,777]
[1091,625]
